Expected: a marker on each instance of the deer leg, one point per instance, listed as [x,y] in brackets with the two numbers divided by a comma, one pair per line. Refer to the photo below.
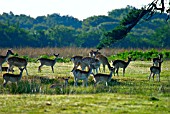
[26,70]
[158,78]
[5,82]
[149,76]
[123,71]
[39,68]
[153,76]
[117,71]
[1,68]
[103,68]
[52,69]
[106,83]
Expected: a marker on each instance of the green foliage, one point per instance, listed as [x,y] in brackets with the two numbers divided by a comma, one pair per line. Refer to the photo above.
[140,55]
[65,31]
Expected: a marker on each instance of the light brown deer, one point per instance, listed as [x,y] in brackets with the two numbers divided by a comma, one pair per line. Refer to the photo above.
[103,77]
[48,62]
[155,70]
[81,75]
[18,62]
[3,59]
[121,64]
[12,77]
[104,61]
[156,60]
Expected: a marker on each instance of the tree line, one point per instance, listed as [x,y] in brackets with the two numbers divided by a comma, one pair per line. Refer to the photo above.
[55,30]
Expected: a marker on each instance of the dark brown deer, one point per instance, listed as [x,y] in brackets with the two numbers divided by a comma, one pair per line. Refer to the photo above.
[3,59]
[121,64]
[103,77]
[155,70]
[12,77]
[48,62]
[18,62]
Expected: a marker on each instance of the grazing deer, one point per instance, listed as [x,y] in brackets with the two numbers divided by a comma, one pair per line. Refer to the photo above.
[76,60]
[4,58]
[121,64]
[65,84]
[12,77]
[6,68]
[156,60]
[156,70]
[48,62]
[104,61]
[93,53]
[103,77]
[81,75]
[18,62]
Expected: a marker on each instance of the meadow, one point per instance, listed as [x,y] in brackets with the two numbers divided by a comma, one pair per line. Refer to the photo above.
[133,93]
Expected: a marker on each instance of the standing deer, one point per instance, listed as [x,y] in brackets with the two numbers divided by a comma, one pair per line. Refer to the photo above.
[93,53]
[104,61]
[76,60]
[12,77]
[156,60]
[156,70]
[4,58]
[48,62]
[81,75]
[121,64]
[18,62]
[103,77]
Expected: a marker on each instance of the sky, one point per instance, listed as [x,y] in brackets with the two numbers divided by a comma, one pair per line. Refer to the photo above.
[80,9]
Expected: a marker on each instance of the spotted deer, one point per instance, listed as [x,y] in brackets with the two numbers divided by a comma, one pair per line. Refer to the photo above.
[121,64]
[103,77]
[104,61]
[18,62]
[12,77]
[48,62]
[81,75]
[3,59]
[155,70]
[156,60]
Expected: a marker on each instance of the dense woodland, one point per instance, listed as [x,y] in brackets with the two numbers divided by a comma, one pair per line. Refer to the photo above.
[55,30]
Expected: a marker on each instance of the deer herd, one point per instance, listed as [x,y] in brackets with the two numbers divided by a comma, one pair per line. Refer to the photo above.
[92,63]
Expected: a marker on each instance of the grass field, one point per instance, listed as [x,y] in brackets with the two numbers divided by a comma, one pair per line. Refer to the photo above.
[130,94]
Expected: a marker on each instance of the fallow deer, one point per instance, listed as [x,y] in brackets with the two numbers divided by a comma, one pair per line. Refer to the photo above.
[93,53]
[12,77]
[6,68]
[156,70]
[121,64]
[104,61]
[4,58]
[63,83]
[103,77]
[48,62]
[18,62]
[76,60]
[156,60]
[81,75]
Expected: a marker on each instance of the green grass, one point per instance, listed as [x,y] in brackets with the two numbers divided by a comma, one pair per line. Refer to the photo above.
[130,94]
